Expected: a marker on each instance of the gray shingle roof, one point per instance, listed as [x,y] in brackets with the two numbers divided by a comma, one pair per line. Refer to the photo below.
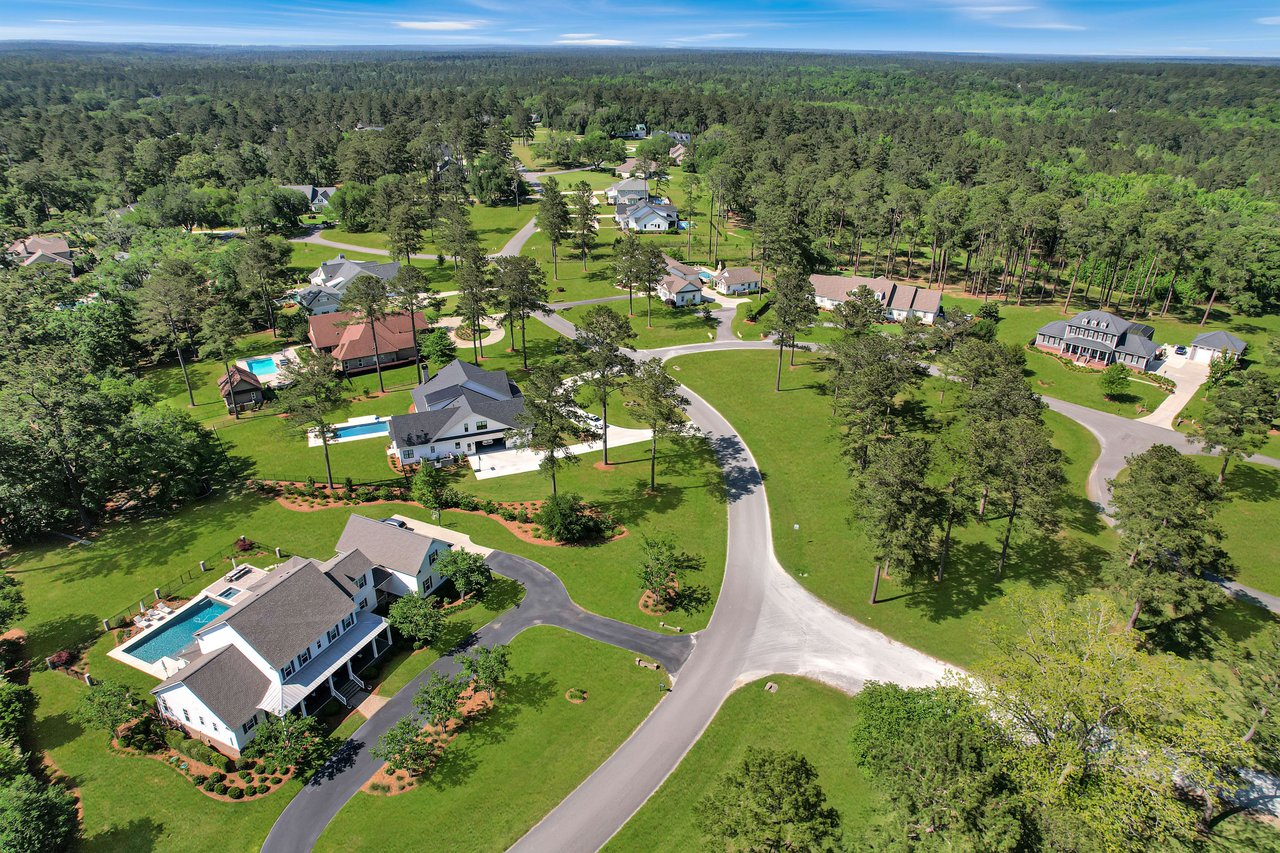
[385,545]
[1054,329]
[1219,340]
[737,275]
[225,681]
[346,568]
[286,611]
[1103,320]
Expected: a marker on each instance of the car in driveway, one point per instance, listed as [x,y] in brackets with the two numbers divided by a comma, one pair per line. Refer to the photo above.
[394,522]
[1180,350]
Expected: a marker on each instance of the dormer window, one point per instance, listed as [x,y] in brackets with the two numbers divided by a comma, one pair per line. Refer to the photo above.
[348,621]
[289,669]
[305,656]
[481,425]
[361,582]
[333,633]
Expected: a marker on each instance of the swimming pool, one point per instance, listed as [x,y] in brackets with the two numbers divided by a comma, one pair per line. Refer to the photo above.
[176,633]
[357,430]
[263,366]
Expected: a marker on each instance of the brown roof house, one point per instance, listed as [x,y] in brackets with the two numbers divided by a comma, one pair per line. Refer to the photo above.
[899,300]
[734,280]
[41,250]
[240,389]
[351,341]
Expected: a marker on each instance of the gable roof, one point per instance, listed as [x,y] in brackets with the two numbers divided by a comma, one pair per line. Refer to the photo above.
[1219,340]
[675,284]
[838,287]
[458,372]
[350,337]
[679,267]
[237,375]
[631,185]
[1103,320]
[225,680]
[29,246]
[285,611]
[313,193]
[386,545]
[737,275]
[346,568]
[340,268]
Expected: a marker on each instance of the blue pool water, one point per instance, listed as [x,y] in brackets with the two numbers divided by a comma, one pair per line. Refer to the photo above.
[264,366]
[374,428]
[177,632]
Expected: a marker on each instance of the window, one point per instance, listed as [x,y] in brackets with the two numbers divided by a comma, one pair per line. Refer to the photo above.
[319,645]
[432,448]
[202,721]
[348,621]
[248,726]
[457,445]
[361,582]
[288,670]
[364,602]
[431,559]
[408,454]
[186,715]
[305,656]
[333,633]
[481,425]
[466,427]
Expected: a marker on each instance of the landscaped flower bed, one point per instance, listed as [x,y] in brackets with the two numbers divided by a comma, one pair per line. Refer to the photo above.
[213,774]
[391,782]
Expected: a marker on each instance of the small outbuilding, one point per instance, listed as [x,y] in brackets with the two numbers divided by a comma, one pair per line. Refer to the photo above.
[240,389]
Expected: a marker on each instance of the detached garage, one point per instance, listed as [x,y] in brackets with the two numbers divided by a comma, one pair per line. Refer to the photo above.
[1210,345]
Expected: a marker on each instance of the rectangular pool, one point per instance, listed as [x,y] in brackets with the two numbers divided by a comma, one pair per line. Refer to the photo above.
[263,366]
[356,430]
[176,633]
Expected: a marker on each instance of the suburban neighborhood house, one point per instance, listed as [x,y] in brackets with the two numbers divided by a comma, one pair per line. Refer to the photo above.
[41,250]
[900,301]
[240,389]
[647,216]
[734,280]
[679,291]
[627,191]
[1099,338]
[317,197]
[329,281]
[1207,346]
[677,136]
[460,410]
[349,338]
[289,639]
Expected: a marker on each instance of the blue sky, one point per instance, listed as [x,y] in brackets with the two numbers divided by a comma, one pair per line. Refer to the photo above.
[1082,27]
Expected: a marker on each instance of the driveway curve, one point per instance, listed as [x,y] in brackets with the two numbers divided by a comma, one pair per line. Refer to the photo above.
[546,602]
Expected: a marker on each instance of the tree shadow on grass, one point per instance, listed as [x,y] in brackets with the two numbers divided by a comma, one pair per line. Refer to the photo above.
[58,730]
[65,632]
[141,834]
[1251,484]
[691,599]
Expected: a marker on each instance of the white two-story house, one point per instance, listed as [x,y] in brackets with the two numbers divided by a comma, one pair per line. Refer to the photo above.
[461,410]
[295,638]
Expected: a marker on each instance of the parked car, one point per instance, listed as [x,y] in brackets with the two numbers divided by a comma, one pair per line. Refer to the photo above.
[1180,349]
[394,522]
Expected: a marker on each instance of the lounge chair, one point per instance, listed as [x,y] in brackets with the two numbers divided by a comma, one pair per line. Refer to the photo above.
[164,608]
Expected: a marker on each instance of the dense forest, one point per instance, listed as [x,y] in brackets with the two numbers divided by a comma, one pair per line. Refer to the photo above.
[1140,185]
[1131,177]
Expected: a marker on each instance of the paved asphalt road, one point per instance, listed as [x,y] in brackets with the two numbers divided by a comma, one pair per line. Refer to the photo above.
[545,603]
[511,247]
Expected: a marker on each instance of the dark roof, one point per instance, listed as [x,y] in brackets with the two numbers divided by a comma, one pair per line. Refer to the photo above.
[679,266]
[417,428]
[1054,329]
[346,568]
[1103,320]
[286,611]
[385,545]
[225,681]
[1219,340]
[459,372]
[238,375]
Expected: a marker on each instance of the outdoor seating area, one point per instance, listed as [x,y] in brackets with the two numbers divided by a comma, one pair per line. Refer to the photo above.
[153,615]
[267,369]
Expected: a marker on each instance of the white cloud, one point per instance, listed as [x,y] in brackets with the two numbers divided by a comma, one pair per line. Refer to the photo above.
[1273,21]
[440,26]
[577,35]
[64,21]
[599,42]
[1042,25]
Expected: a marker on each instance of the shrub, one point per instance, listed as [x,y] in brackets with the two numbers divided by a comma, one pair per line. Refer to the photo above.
[209,785]
[264,788]
[174,738]
[235,793]
[220,788]
[489,507]
[248,764]
[507,514]
[567,518]
[348,484]
[276,780]
[523,516]
[62,659]
[199,780]
[244,774]
[218,777]
[386,493]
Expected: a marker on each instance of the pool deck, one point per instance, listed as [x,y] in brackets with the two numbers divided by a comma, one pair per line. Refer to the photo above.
[313,437]
[166,666]
[271,380]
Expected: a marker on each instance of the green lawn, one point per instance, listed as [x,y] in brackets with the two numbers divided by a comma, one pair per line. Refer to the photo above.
[804,716]
[134,803]
[574,282]
[793,439]
[671,326]
[307,256]
[493,226]
[1249,518]
[509,768]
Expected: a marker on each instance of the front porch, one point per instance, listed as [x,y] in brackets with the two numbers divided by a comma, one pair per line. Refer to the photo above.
[334,673]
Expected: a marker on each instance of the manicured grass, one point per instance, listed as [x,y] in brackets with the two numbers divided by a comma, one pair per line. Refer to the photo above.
[688,507]
[493,226]
[509,768]
[804,716]
[794,441]
[368,239]
[575,283]
[1250,518]
[134,803]
[308,256]
[671,326]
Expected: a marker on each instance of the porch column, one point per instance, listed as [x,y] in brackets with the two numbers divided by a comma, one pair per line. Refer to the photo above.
[332,689]
[304,706]
[351,675]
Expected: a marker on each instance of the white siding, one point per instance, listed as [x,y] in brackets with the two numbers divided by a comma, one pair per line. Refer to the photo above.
[186,708]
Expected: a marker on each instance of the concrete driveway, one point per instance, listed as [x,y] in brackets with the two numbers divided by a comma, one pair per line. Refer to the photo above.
[516,460]
[1189,375]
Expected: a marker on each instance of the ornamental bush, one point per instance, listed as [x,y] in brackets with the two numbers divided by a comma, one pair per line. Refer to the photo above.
[218,777]
[567,518]
[235,793]
[220,788]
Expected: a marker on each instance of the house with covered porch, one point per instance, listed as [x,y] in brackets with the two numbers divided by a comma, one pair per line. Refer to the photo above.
[463,409]
[1098,339]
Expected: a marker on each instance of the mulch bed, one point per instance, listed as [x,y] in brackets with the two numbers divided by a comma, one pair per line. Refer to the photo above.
[387,783]
[197,768]
[649,604]
[524,530]
[575,700]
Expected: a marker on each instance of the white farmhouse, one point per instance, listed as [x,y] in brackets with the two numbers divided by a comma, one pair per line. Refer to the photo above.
[459,411]
[678,291]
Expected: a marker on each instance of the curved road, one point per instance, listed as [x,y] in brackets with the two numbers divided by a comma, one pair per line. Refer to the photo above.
[511,247]
[546,602]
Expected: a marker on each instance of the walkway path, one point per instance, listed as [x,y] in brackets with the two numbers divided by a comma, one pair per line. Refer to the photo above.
[545,603]
[1189,375]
